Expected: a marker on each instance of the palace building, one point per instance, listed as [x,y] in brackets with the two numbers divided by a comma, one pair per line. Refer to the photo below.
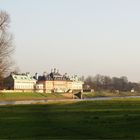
[55,82]
[47,83]
[20,82]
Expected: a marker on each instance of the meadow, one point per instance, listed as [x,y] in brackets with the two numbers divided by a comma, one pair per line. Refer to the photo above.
[54,96]
[30,96]
[109,94]
[108,119]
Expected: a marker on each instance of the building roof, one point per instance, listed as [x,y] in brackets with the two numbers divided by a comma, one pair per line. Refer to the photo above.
[54,76]
[24,77]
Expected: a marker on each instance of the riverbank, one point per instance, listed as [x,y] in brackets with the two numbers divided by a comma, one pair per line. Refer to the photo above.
[47,101]
[33,96]
[109,94]
[43,97]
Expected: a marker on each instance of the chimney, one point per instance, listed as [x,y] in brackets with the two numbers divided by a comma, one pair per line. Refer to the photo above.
[27,73]
[54,70]
[45,74]
[36,76]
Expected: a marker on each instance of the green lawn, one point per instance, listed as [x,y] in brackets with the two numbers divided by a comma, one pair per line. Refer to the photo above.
[114,119]
[34,96]
[108,94]
[28,96]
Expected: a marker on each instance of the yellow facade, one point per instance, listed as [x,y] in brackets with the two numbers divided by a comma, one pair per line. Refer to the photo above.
[60,86]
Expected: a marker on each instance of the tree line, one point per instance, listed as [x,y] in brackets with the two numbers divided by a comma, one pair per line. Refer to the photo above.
[101,82]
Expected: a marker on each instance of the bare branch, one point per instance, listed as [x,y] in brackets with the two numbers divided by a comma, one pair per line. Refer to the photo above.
[4,20]
[6,47]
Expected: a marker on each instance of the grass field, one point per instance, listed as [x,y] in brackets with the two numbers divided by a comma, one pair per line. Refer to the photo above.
[113,119]
[108,94]
[35,96]
[29,96]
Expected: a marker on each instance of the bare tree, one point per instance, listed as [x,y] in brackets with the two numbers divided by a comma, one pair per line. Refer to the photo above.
[6,47]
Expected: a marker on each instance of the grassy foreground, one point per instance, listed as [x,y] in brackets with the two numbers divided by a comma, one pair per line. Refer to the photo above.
[114,119]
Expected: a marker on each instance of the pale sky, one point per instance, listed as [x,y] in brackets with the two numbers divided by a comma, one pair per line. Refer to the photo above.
[84,37]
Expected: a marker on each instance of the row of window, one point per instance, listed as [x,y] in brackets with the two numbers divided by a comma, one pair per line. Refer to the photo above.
[24,86]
